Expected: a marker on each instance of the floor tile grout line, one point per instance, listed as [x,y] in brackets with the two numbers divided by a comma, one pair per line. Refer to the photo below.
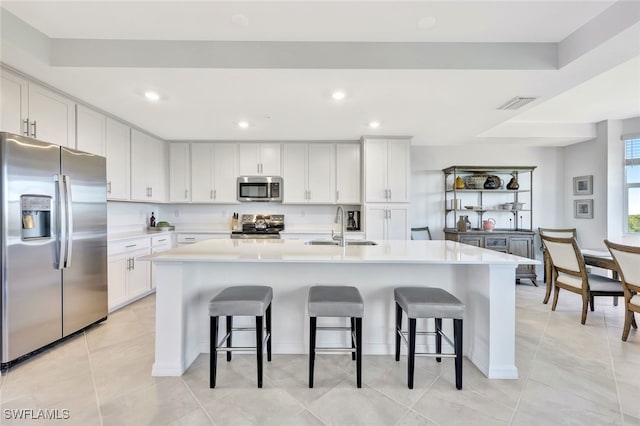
[535,356]
[197,400]
[613,367]
[93,380]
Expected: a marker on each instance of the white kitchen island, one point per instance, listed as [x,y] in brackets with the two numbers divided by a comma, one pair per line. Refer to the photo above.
[186,278]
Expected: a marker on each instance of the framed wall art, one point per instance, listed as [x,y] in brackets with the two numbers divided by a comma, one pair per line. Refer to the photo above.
[583,209]
[583,185]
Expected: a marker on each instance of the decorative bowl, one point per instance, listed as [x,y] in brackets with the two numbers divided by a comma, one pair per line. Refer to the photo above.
[517,206]
[475,181]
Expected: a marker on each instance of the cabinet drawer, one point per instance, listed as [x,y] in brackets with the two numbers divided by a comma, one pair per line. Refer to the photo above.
[130,245]
[496,242]
[472,241]
[160,240]
[194,238]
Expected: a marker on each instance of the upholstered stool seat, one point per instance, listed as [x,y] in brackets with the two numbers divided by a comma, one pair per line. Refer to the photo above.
[249,300]
[336,301]
[428,302]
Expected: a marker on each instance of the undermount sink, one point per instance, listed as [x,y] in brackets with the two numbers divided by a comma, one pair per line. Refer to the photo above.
[335,243]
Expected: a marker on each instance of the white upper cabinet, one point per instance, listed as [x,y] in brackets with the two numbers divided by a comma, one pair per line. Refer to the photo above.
[308,173]
[259,159]
[51,116]
[148,168]
[386,164]
[213,172]
[225,172]
[348,173]
[32,110]
[90,131]
[179,173]
[321,171]
[118,145]
[14,97]
[202,173]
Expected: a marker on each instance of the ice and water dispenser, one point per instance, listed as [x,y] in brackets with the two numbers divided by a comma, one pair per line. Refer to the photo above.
[36,216]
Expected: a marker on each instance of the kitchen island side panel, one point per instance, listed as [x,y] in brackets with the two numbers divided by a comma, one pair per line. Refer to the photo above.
[184,291]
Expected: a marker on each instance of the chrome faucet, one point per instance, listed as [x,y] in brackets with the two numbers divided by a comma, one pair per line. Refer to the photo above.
[340,217]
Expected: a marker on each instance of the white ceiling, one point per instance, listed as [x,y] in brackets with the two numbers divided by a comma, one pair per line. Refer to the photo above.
[438,103]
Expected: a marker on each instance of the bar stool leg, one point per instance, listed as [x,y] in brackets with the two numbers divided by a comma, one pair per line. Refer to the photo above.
[398,330]
[412,351]
[353,343]
[358,353]
[229,327]
[438,338]
[259,349]
[457,339]
[312,348]
[213,352]
[269,332]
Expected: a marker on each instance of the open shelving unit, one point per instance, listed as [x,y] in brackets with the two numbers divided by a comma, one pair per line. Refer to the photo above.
[513,232]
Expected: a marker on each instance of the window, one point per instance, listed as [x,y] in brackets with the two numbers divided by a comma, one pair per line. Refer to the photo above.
[632,184]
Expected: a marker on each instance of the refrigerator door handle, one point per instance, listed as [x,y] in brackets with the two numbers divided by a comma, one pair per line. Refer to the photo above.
[69,239]
[62,226]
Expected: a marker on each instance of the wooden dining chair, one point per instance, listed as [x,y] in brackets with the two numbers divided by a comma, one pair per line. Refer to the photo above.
[552,232]
[570,273]
[627,260]
[421,233]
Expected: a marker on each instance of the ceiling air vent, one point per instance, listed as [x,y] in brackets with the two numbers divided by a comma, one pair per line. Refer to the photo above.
[517,102]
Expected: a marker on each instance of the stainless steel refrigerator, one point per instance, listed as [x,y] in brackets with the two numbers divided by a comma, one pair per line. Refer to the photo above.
[53,244]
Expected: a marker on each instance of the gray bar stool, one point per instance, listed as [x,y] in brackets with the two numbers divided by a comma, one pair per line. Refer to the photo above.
[249,300]
[336,301]
[427,302]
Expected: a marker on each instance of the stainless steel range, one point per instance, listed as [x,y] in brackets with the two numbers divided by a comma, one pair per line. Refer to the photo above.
[260,226]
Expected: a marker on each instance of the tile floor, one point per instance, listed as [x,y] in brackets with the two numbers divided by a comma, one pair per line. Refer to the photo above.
[570,374]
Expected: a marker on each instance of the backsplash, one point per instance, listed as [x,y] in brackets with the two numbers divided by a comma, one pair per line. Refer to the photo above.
[126,216]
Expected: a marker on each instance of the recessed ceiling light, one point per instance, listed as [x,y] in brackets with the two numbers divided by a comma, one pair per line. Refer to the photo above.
[427,22]
[374,124]
[152,96]
[338,95]
[243,124]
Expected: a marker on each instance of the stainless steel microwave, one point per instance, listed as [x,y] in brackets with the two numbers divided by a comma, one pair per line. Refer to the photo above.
[259,188]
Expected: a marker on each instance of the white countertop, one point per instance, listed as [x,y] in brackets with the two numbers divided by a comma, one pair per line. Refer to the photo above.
[121,236]
[292,251]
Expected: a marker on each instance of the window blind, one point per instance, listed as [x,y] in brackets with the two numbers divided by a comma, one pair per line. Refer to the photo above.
[632,152]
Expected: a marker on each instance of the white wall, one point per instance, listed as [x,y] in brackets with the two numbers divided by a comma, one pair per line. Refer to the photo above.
[602,157]
[125,216]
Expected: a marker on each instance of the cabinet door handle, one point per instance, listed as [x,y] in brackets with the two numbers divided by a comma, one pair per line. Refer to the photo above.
[164,239]
[309,195]
[133,263]
[258,168]
[128,264]
[337,194]
[131,245]
[215,194]
[186,193]
[151,190]
[25,128]
[109,187]
[34,126]
[389,194]
[261,168]
[189,238]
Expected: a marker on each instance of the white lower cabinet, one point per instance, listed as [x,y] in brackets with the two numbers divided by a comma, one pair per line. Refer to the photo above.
[387,222]
[129,279]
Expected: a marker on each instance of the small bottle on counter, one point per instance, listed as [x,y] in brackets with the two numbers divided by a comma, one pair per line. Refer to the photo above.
[152,221]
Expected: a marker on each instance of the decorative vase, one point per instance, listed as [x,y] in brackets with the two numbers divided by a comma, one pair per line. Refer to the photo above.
[463,224]
[458,183]
[492,182]
[513,183]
